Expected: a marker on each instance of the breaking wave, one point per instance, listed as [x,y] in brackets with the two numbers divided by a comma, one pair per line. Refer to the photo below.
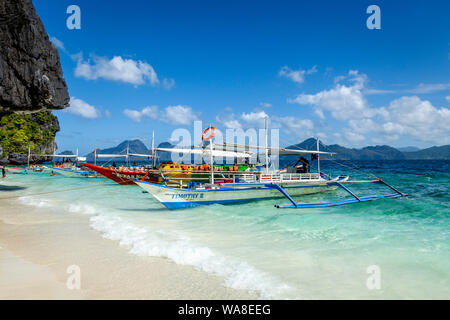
[181,250]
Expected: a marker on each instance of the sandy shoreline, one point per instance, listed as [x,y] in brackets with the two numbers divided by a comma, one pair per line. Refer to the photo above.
[36,248]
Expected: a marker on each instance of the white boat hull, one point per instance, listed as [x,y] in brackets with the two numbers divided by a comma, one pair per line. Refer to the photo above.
[175,198]
[70,173]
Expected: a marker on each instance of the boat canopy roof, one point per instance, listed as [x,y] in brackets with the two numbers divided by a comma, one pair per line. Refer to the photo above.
[103,155]
[111,155]
[284,151]
[63,155]
[271,150]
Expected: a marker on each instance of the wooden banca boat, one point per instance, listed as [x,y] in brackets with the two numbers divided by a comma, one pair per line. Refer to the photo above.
[70,170]
[264,184]
[28,170]
[170,173]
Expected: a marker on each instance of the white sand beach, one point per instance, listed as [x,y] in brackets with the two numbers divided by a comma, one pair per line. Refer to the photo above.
[36,248]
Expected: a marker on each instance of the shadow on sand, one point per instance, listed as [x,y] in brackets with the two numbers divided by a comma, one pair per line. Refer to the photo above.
[11,188]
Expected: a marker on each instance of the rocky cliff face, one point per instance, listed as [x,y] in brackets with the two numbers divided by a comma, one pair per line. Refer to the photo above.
[31,81]
[30,71]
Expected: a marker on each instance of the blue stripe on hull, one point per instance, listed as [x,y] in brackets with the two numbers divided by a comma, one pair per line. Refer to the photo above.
[190,204]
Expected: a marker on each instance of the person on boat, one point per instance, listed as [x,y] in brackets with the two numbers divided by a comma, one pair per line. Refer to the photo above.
[114,164]
[305,165]
[3,172]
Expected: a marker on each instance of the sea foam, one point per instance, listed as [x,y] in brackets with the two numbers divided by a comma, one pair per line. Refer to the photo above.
[36,202]
[182,250]
[82,208]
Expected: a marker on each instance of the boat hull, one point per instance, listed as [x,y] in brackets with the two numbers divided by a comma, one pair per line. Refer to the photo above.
[174,198]
[121,177]
[16,169]
[70,173]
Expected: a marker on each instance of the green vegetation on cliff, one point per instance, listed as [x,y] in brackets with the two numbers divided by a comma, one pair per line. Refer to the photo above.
[17,131]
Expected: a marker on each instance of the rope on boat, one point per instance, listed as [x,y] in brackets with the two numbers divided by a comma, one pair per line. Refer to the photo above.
[355,167]
[55,191]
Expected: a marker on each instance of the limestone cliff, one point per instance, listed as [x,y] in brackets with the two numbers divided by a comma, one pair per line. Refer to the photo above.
[31,81]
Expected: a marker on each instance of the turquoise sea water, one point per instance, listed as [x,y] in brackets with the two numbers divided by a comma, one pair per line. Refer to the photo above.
[283,253]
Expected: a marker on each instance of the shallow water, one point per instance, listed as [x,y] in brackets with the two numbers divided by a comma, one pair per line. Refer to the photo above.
[282,253]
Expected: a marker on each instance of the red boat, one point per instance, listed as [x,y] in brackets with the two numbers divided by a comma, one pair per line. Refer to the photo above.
[123,175]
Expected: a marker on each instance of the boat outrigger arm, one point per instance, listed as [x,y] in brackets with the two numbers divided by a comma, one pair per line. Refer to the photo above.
[355,199]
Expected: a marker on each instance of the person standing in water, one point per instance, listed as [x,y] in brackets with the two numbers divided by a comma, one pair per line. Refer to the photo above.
[3,172]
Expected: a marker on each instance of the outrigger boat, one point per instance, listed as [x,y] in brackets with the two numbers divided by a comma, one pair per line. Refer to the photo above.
[169,172]
[262,185]
[123,175]
[29,168]
[70,169]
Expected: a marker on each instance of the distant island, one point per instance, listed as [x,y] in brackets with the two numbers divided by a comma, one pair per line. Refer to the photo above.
[379,152]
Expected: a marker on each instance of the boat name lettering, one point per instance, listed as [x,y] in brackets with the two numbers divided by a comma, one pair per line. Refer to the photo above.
[186,196]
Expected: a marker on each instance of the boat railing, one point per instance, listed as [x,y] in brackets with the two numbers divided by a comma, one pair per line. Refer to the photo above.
[245,177]
[287,177]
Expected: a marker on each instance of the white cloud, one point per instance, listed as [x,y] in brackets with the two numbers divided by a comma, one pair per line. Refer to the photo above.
[353,137]
[292,123]
[319,113]
[255,118]
[406,116]
[83,109]
[228,119]
[108,114]
[448,99]
[294,126]
[343,101]
[377,91]
[150,112]
[297,76]
[419,119]
[297,127]
[232,124]
[116,69]
[430,88]
[168,83]
[179,115]
[363,125]
[265,104]
[58,43]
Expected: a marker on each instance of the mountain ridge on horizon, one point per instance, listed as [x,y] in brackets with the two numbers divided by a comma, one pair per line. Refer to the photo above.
[377,152]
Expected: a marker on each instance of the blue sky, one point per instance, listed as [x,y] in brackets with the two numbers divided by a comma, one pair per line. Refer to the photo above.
[313,67]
